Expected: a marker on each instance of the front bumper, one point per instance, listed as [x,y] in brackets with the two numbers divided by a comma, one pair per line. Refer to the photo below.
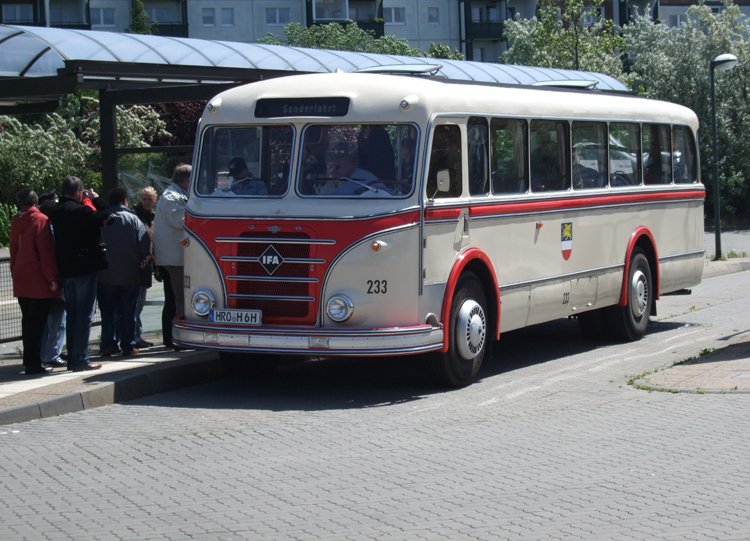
[329,342]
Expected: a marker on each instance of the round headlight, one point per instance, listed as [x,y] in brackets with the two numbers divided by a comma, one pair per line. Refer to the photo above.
[339,308]
[203,300]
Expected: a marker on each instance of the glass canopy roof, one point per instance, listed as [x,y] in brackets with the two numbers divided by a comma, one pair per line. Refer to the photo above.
[40,51]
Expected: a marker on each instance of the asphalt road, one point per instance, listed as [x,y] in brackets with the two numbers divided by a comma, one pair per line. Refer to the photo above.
[550,443]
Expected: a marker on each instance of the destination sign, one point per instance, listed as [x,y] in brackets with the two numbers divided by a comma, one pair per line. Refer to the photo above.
[276,107]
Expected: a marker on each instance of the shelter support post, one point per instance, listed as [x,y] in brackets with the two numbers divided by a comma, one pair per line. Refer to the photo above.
[108,127]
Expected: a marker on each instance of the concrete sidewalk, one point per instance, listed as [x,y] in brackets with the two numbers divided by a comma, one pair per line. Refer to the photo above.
[158,369]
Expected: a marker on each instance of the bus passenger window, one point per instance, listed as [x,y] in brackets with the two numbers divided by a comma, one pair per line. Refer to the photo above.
[683,157]
[445,155]
[478,156]
[510,156]
[624,155]
[589,155]
[550,155]
[657,154]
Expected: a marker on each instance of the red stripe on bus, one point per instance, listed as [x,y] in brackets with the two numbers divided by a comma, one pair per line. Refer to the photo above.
[451,213]
[568,203]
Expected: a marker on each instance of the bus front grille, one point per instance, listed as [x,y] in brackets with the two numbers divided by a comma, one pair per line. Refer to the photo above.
[278,274]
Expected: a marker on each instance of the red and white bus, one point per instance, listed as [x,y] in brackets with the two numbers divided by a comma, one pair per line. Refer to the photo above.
[364,214]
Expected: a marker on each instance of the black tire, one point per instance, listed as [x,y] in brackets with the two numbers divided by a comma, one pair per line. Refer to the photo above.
[249,364]
[629,322]
[467,340]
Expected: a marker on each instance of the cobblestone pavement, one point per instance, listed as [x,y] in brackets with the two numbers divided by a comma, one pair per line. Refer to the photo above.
[551,443]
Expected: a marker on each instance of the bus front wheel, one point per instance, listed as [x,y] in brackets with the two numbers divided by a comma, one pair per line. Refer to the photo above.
[629,322]
[467,341]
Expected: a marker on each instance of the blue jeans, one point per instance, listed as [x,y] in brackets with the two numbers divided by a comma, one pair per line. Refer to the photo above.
[80,299]
[138,311]
[117,305]
[53,337]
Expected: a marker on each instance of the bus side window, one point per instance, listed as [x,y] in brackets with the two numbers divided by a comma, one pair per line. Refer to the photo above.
[510,156]
[589,155]
[624,154]
[445,155]
[657,154]
[683,157]
[550,155]
[478,154]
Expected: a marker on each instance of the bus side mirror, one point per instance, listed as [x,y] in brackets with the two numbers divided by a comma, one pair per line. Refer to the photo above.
[444,181]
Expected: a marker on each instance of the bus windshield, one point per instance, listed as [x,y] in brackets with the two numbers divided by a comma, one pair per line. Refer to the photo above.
[357,160]
[245,161]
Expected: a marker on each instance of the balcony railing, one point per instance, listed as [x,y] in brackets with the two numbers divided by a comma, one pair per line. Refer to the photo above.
[173,30]
[486,30]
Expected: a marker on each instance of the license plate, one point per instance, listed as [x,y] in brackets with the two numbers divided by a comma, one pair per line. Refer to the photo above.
[236,317]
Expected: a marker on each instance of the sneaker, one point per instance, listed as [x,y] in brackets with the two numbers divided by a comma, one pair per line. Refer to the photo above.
[37,371]
[55,363]
[132,353]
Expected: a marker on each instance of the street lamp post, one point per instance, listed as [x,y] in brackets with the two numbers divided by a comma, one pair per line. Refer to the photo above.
[723,62]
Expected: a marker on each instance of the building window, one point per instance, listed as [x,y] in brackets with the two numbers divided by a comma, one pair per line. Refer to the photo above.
[331,9]
[227,16]
[208,16]
[394,15]
[102,16]
[433,15]
[277,16]
[18,13]
[159,15]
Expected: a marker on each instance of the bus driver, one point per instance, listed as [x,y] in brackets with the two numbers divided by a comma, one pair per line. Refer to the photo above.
[356,180]
[243,182]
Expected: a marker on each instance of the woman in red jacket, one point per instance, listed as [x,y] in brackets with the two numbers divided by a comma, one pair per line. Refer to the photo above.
[34,272]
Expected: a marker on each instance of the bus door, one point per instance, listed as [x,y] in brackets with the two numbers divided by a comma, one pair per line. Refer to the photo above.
[446,229]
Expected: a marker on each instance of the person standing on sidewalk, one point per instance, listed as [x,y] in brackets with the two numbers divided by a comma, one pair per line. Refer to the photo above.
[169,232]
[34,273]
[53,337]
[128,247]
[80,256]
[144,209]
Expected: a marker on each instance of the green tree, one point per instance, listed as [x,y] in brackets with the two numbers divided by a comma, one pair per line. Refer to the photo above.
[40,151]
[574,38]
[350,37]
[139,23]
[673,64]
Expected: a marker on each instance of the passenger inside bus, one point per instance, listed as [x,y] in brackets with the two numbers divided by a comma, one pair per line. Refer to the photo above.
[243,182]
[545,171]
[314,163]
[376,152]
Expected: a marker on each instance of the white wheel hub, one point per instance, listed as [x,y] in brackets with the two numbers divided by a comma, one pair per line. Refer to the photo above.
[471,329]
[638,294]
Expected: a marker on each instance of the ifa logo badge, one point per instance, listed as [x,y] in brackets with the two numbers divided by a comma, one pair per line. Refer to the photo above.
[270,260]
[566,239]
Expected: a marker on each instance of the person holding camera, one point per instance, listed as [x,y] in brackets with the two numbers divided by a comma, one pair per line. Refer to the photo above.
[80,256]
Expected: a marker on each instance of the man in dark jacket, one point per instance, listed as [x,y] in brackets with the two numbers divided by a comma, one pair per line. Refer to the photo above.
[128,248]
[79,258]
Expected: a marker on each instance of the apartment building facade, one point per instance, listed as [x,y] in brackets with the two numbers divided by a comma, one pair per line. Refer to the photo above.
[475,27]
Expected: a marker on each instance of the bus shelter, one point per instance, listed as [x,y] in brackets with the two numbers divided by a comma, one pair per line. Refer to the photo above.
[40,65]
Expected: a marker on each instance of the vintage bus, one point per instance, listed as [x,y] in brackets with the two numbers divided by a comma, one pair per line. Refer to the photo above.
[370,214]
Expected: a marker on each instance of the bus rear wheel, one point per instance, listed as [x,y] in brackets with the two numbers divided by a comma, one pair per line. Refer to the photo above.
[467,340]
[629,322]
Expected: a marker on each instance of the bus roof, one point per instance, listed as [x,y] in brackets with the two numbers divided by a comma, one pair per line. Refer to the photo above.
[427,96]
